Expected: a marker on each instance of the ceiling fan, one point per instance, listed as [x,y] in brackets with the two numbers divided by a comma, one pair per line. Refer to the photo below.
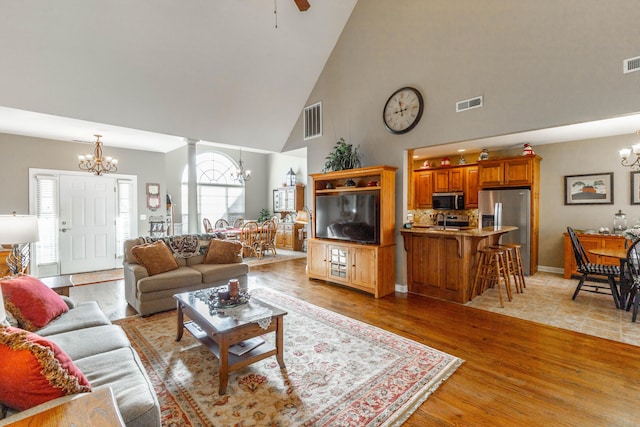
[302,5]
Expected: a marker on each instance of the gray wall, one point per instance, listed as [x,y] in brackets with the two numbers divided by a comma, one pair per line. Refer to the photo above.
[22,153]
[538,64]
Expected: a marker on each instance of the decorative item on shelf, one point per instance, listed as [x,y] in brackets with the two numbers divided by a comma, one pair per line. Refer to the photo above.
[461,160]
[426,164]
[328,186]
[372,183]
[527,150]
[445,162]
[350,183]
[343,157]
[625,152]
[484,154]
[291,178]
[17,231]
[95,163]
[153,196]
[241,174]
[619,222]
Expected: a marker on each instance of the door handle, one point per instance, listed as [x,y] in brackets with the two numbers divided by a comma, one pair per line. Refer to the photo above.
[64,230]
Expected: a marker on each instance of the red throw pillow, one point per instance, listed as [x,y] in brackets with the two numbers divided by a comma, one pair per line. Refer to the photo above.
[155,257]
[34,370]
[31,302]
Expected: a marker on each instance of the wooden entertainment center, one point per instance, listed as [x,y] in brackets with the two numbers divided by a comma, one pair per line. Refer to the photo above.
[367,267]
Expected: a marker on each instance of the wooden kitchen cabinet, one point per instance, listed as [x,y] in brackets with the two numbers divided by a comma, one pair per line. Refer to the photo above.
[446,180]
[518,171]
[471,187]
[423,189]
[590,241]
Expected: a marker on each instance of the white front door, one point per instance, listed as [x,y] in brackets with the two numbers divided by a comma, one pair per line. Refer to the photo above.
[87,234]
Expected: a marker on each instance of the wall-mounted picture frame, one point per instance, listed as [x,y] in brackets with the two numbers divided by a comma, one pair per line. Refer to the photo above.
[635,188]
[589,189]
[153,196]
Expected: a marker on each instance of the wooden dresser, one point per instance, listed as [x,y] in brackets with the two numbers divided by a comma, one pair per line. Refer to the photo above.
[590,241]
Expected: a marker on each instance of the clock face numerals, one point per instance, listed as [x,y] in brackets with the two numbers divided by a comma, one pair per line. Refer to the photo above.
[403,110]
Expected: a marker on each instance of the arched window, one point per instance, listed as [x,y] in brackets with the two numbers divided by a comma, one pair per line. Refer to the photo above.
[219,195]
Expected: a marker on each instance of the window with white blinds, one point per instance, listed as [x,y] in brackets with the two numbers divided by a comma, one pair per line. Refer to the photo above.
[47,213]
[124,213]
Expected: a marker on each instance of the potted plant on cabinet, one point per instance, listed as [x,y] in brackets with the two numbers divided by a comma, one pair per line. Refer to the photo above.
[343,156]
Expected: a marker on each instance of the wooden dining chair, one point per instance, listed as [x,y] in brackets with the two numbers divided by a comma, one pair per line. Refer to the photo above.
[207,225]
[222,223]
[267,240]
[633,269]
[249,239]
[592,271]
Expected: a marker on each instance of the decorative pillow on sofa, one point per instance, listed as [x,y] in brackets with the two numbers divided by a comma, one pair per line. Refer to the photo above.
[31,302]
[223,252]
[156,257]
[35,370]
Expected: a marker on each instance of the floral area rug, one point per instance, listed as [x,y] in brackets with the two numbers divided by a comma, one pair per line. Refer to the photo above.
[339,372]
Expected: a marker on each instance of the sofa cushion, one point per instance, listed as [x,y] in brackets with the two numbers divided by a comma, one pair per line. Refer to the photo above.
[155,257]
[174,279]
[84,315]
[223,252]
[35,370]
[31,302]
[89,341]
[214,273]
[122,370]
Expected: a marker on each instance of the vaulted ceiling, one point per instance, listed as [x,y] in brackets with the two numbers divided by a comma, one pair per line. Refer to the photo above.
[233,72]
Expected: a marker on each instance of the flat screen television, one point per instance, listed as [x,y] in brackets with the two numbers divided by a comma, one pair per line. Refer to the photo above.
[351,216]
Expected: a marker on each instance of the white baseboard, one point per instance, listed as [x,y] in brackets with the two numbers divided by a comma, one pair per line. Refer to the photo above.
[402,288]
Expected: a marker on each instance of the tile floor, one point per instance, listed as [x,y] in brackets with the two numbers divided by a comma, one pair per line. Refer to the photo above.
[547,300]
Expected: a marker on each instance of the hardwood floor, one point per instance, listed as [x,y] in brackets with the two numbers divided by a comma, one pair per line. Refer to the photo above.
[516,372]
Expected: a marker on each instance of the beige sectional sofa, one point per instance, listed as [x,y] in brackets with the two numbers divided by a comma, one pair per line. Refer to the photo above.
[105,356]
[149,294]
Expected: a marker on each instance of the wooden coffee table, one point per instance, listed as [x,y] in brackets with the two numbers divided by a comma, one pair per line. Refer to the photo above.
[218,332]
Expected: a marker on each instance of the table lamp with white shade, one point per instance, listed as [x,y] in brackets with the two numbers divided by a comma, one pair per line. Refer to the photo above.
[17,231]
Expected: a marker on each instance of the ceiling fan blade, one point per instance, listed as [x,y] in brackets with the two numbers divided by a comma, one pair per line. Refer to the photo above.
[302,5]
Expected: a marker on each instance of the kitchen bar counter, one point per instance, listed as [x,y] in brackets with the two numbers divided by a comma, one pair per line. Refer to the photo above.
[441,263]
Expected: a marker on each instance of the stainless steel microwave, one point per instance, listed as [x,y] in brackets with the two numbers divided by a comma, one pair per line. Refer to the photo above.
[448,201]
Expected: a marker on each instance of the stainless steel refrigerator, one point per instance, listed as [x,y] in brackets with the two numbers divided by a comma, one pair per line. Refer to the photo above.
[516,210]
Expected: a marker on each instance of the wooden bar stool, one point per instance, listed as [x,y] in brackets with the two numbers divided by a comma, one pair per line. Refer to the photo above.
[490,270]
[518,262]
[512,266]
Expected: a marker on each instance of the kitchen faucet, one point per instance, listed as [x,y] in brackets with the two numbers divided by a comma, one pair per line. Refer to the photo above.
[444,220]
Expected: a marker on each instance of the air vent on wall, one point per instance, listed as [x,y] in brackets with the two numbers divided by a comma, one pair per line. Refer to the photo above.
[313,121]
[631,64]
[468,104]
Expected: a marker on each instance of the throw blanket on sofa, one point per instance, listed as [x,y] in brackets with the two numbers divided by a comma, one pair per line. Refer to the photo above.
[186,246]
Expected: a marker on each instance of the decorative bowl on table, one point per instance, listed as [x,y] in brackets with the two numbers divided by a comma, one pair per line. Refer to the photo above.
[220,298]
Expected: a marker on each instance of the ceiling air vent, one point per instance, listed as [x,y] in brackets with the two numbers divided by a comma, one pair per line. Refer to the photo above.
[468,104]
[313,121]
[631,64]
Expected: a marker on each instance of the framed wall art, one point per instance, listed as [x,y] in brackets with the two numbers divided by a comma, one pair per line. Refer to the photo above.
[589,189]
[635,188]
[153,196]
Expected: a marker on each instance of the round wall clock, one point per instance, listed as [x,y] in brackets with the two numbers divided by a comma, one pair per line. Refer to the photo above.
[403,110]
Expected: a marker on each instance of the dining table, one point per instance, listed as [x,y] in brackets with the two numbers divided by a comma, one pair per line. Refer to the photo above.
[621,255]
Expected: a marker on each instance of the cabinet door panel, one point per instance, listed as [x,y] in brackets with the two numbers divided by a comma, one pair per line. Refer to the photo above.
[491,174]
[364,267]
[423,185]
[441,181]
[317,259]
[471,187]
[518,172]
[456,179]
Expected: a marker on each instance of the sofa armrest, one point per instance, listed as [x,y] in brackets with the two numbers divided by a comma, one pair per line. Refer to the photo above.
[70,303]
[134,272]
